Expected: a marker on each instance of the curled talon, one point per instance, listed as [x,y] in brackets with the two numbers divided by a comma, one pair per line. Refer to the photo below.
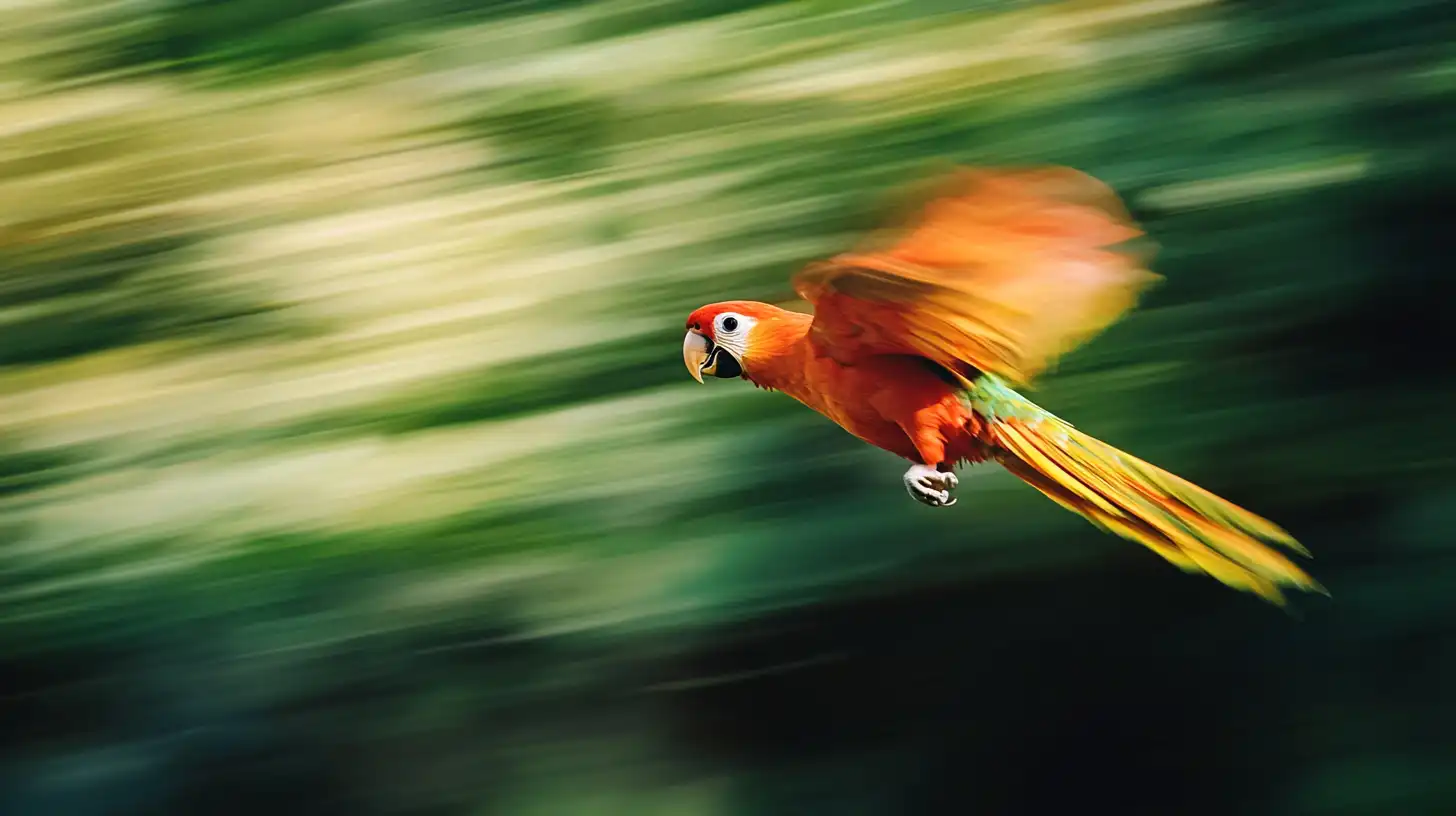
[929,486]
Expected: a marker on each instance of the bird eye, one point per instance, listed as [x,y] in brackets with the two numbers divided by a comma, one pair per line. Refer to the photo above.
[730,324]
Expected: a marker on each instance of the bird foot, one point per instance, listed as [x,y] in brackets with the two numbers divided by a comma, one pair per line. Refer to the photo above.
[929,486]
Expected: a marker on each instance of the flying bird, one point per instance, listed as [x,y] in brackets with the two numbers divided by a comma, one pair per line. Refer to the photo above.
[919,337]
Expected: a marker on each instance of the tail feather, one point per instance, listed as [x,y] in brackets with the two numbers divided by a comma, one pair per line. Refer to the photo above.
[1180,521]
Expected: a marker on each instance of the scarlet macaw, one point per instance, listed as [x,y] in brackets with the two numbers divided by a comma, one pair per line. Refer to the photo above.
[917,339]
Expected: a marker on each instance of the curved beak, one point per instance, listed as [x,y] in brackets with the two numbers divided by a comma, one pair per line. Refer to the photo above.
[697,355]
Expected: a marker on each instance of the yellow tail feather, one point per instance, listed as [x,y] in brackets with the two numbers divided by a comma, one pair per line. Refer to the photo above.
[1185,524]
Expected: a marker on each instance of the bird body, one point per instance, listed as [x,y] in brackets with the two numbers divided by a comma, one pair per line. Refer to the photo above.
[917,343]
[895,402]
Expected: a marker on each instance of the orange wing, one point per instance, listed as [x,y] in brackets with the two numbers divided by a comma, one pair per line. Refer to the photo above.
[1003,272]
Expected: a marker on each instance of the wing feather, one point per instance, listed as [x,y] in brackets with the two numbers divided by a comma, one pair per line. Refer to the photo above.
[1003,271]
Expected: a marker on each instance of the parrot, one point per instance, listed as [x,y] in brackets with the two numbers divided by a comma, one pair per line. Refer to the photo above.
[920,336]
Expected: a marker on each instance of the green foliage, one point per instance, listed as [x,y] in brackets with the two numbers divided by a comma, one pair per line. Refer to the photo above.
[189,35]
[469,541]
[23,471]
[549,134]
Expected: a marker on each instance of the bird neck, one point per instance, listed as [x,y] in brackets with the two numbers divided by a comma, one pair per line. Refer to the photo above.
[780,353]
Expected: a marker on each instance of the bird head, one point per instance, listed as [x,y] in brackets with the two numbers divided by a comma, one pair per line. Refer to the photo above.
[722,337]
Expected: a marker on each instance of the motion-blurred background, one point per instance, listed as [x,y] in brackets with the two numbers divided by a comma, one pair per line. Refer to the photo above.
[348,463]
